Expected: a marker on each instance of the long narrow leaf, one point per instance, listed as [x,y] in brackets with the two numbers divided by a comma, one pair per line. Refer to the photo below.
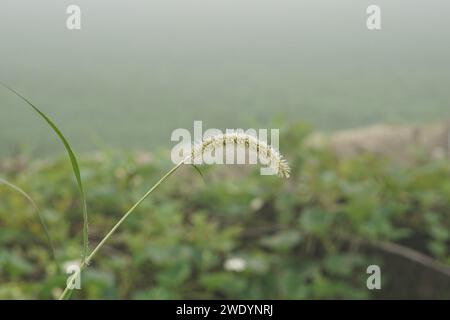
[39,213]
[74,162]
[199,172]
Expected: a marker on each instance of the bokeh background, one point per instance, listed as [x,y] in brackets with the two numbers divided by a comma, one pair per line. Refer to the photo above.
[137,70]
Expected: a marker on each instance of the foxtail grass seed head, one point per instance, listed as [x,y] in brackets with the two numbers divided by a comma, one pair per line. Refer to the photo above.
[266,153]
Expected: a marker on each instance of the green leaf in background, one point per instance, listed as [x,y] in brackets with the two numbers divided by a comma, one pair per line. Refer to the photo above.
[316,221]
[342,264]
[283,240]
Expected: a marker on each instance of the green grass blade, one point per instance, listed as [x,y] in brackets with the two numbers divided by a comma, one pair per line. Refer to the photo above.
[74,162]
[199,172]
[38,211]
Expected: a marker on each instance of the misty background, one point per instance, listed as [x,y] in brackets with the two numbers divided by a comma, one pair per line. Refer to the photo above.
[137,70]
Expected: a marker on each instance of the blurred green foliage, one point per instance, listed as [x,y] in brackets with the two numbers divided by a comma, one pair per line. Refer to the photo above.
[238,235]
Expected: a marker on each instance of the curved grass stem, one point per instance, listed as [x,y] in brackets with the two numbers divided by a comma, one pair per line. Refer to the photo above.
[85,263]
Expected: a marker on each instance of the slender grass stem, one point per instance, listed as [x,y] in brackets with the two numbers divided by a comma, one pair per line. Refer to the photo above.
[86,262]
[277,162]
[40,215]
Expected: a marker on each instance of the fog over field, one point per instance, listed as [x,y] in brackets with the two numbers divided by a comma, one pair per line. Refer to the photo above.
[139,69]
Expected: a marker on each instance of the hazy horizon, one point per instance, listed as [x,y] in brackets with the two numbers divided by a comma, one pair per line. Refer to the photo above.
[138,70]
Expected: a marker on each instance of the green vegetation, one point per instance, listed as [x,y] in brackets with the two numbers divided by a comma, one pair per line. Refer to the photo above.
[311,236]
